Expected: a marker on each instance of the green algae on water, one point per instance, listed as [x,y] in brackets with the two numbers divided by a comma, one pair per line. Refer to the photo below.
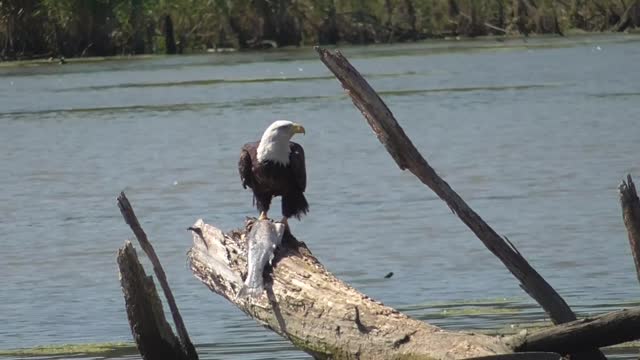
[477,311]
[99,349]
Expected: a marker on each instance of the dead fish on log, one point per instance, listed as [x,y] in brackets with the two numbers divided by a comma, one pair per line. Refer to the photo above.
[261,243]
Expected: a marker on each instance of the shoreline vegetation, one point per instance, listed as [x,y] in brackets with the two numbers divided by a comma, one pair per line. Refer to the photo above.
[58,29]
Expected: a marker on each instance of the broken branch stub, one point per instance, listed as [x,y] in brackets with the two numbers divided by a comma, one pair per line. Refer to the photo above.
[130,218]
[150,329]
[631,216]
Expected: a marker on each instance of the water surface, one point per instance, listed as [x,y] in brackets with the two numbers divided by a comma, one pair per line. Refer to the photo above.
[534,135]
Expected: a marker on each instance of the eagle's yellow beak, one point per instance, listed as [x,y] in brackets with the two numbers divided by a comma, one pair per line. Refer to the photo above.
[298,129]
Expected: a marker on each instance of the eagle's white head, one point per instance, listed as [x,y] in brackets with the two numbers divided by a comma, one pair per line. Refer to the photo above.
[274,144]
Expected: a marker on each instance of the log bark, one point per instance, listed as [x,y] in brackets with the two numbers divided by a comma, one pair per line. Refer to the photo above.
[317,312]
[151,332]
[398,144]
[631,216]
[130,218]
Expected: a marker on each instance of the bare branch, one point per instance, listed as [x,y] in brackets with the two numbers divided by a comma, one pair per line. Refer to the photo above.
[131,219]
[402,150]
[398,144]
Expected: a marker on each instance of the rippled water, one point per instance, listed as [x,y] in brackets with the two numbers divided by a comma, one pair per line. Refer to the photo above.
[535,136]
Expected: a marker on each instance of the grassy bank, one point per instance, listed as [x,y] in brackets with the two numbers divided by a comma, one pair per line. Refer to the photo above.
[71,28]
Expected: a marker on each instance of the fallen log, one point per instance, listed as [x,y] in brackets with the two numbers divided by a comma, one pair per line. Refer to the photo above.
[150,329]
[327,318]
[319,313]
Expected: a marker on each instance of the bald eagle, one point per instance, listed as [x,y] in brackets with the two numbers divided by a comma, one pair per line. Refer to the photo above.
[274,166]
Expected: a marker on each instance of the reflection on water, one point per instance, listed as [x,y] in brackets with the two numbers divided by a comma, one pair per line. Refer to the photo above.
[535,136]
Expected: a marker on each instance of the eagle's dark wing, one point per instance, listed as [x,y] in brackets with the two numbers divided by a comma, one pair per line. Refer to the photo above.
[298,168]
[245,164]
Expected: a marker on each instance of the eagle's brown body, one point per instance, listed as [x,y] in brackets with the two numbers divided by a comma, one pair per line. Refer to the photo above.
[268,179]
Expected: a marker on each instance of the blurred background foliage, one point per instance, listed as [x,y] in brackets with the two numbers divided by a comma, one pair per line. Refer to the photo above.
[56,28]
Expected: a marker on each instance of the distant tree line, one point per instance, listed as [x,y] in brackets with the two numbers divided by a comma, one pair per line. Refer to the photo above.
[53,28]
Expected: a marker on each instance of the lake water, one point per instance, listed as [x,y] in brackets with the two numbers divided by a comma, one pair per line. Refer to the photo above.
[535,135]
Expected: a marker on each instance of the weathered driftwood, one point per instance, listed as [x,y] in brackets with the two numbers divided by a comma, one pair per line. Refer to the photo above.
[151,332]
[327,318]
[319,313]
[398,144]
[130,218]
[631,216]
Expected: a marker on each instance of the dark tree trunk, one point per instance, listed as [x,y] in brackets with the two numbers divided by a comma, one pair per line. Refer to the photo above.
[411,16]
[137,23]
[150,34]
[520,16]
[475,28]
[169,37]
[328,32]
[268,26]
[576,17]
[24,33]
[278,24]
[454,9]
[96,25]
[389,7]
[501,19]
[635,14]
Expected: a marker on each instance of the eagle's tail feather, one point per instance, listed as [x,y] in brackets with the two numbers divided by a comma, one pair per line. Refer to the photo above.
[294,204]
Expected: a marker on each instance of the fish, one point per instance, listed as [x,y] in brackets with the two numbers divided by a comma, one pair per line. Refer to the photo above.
[262,240]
